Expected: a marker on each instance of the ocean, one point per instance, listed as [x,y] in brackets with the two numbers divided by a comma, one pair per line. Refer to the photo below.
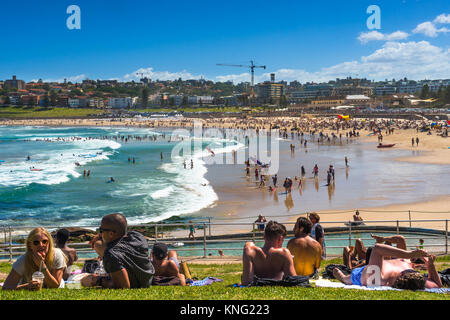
[50,189]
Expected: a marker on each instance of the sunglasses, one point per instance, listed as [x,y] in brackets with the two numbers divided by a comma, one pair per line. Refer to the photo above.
[37,242]
[101,230]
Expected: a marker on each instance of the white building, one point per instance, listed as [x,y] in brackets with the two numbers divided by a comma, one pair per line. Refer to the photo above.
[122,103]
[74,103]
[200,100]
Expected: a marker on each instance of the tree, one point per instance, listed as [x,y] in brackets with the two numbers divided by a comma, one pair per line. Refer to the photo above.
[283,100]
[144,97]
[447,95]
[185,101]
[53,97]
[425,92]
[46,100]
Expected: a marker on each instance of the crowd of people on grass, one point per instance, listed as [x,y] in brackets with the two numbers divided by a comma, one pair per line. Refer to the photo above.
[126,263]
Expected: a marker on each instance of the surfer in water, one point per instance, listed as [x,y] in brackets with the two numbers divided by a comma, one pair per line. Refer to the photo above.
[111,180]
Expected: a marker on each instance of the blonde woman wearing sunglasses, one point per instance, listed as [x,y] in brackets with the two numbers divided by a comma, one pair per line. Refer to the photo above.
[42,255]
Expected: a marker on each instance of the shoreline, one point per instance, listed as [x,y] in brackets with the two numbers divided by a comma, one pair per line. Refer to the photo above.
[431,151]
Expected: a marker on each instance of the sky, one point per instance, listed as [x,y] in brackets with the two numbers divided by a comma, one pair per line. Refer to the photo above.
[307,41]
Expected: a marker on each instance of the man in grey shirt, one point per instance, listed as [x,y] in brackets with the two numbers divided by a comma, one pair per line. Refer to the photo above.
[126,258]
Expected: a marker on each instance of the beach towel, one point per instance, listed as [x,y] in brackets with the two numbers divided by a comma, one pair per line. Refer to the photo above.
[325,283]
[205,282]
[289,281]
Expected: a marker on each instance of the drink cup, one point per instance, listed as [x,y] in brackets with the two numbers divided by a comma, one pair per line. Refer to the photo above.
[39,277]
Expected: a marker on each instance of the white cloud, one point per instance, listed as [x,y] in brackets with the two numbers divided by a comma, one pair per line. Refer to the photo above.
[429,28]
[443,18]
[160,75]
[236,78]
[73,79]
[365,37]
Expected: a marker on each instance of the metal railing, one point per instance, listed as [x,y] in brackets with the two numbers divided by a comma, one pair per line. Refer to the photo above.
[223,241]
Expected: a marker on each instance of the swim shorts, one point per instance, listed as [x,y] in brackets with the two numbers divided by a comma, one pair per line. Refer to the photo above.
[356,276]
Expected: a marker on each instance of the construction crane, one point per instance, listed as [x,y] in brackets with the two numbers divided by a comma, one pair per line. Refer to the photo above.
[251,66]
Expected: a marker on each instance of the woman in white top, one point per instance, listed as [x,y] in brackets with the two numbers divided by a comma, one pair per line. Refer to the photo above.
[40,255]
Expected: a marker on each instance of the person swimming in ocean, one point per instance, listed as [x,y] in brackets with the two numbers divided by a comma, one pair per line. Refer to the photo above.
[111,180]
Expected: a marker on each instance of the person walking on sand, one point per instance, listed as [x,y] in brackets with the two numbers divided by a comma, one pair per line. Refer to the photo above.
[412,142]
[191,230]
[417,141]
[316,171]
[274,180]
[346,161]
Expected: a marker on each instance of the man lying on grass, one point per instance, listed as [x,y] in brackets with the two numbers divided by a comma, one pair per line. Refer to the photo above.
[125,259]
[272,260]
[396,272]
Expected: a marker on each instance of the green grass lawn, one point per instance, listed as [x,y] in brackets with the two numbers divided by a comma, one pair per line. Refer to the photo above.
[47,113]
[231,274]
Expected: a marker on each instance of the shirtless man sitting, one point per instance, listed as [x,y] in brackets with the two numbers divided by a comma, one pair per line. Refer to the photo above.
[272,260]
[396,272]
[62,236]
[307,252]
[166,262]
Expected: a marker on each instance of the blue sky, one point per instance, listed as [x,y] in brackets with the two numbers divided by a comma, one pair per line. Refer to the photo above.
[303,40]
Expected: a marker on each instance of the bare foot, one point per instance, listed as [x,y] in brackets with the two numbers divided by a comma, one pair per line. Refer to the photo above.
[339,275]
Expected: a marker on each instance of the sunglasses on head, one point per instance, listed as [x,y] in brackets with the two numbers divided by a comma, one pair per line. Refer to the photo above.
[101,230]
[37,242]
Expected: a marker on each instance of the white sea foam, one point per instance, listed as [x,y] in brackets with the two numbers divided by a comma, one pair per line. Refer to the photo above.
[191,190]
[162,193]
[56,169]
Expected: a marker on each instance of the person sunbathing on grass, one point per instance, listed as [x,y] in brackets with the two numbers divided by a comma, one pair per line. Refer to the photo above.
[166,262]
[396,272]
[272,260]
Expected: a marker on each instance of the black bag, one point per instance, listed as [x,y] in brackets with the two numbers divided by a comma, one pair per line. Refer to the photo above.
[445,277]
[166,281]
[90,266]
[287,281]
[328,273]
